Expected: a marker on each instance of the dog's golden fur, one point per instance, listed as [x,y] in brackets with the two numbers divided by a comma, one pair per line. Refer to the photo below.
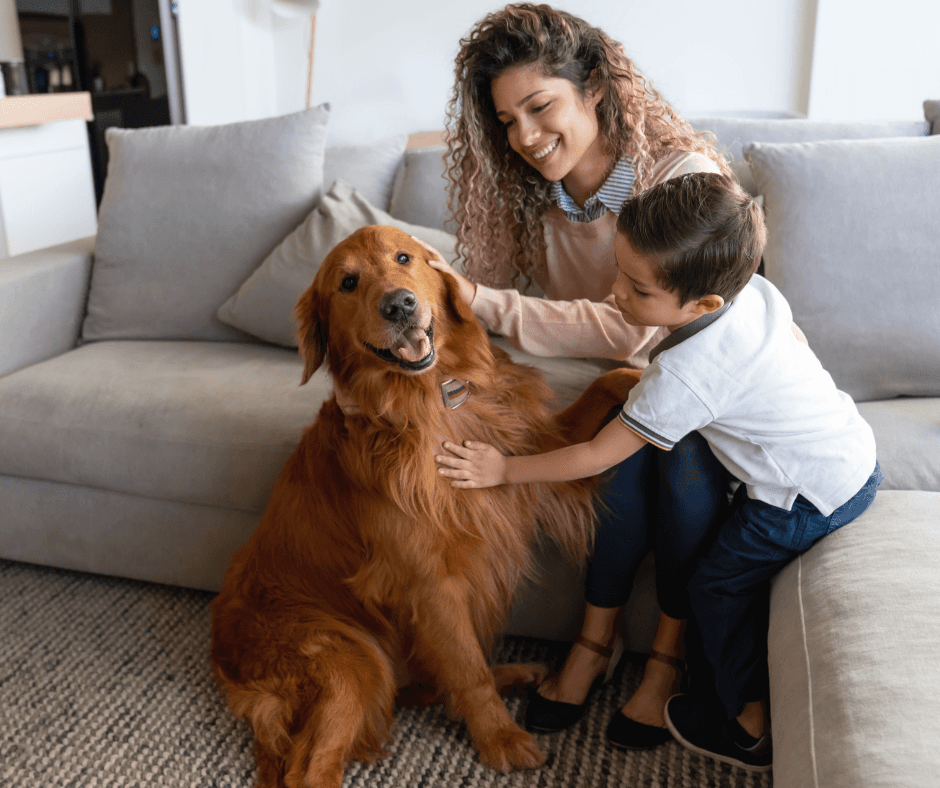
[369,576]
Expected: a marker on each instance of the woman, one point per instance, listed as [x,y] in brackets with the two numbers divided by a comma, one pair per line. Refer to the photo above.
[550,128]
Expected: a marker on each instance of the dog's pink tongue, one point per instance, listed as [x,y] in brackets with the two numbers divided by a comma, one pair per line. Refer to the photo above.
[414,345]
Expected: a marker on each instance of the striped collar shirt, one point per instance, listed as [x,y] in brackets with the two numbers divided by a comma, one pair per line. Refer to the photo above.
[617,188]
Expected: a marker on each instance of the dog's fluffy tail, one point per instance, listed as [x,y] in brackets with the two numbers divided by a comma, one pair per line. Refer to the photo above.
[333,704]
[582,420]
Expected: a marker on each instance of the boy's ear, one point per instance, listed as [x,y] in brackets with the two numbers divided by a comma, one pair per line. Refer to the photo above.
[709,303]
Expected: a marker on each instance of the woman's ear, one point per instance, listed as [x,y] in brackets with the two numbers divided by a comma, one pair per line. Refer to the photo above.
[595,90]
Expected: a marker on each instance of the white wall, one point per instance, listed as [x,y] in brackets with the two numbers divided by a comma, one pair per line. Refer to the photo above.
[873,65]
[240,61]
[387,68]
[227,63]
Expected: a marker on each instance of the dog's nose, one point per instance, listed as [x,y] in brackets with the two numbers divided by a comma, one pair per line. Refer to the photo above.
[398,305]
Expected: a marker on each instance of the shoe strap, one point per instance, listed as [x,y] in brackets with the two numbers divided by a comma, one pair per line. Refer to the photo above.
[597,648]
[668,659]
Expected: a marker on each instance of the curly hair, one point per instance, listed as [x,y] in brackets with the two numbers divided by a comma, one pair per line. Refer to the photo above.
[496,199]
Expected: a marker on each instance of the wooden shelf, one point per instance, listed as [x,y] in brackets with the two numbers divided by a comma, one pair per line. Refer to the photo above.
[425,139]
[31,110]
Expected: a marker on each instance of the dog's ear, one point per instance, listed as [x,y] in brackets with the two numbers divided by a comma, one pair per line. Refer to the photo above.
[458,308]
[312,331]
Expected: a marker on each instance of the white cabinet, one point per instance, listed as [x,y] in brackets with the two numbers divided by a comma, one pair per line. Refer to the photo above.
[47,193]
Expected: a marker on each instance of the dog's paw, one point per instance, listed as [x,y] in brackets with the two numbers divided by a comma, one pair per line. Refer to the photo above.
[328,778]
[513,678]
[511,748]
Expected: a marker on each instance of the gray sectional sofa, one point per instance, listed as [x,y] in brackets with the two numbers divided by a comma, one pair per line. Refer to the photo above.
[149,390]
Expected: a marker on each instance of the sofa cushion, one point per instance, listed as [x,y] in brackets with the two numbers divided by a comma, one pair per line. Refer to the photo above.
[207,423]
[42,302]
[735,133]
[93,530]
[264,304]
[853,644]
[852,244]
[369,169]
[419,195]
[188,212]
[907,437]
[932,114]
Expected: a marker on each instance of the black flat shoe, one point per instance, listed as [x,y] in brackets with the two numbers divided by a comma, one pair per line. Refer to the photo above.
[629,734]
[705,728]
[550,716]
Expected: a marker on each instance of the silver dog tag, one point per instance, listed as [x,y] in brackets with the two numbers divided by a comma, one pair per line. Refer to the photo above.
[455,392]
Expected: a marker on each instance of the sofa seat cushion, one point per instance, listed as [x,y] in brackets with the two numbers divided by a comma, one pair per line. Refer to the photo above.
[907,436]
[854,638]
[206,423]
[568,377]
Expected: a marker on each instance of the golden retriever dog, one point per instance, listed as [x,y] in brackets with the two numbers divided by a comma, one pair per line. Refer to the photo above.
[369,577]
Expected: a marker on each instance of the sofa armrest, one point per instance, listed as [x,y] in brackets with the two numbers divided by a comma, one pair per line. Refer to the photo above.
[42,302]
[854,634]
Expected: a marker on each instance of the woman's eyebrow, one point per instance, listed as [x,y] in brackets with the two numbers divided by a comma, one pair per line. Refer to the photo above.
[521,101]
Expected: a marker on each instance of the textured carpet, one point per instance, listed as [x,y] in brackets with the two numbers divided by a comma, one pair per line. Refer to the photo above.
[105,682]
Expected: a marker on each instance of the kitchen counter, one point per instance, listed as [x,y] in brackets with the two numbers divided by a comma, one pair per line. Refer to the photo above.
[36,108]
[47,192]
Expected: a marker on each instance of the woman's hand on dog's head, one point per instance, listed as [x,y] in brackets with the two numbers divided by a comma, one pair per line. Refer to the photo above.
[472,465]
[468,290]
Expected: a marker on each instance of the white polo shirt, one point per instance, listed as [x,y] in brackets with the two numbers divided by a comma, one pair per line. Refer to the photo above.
[770,412]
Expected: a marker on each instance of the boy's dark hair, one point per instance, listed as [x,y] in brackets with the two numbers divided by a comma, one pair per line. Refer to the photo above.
[705,231]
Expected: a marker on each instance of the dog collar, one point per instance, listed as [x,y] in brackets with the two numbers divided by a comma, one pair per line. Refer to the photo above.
[455,392]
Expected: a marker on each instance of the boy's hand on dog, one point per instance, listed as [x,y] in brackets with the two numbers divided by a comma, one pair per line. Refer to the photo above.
[472,465]
[468,290]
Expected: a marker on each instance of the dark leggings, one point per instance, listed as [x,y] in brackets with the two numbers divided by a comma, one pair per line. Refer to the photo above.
[670,502]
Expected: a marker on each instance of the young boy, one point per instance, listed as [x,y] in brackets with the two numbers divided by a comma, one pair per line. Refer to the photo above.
[737,369]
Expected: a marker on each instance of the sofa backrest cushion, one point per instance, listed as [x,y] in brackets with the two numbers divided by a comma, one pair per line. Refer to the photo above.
[189,212]
[419,195]
[264,304]
[932,114]
[370,169]
[853,245]
[735,133]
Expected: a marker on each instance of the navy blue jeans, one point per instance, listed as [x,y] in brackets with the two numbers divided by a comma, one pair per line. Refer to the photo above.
[670,502]
[730,589]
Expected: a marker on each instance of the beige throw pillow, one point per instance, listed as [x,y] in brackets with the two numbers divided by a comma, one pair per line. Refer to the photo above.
[264,304]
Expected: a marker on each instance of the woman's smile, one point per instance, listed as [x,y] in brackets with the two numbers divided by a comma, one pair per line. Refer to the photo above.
[541,154]
[553,127]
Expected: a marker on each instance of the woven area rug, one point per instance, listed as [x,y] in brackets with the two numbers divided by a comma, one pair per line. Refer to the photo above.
[105,682]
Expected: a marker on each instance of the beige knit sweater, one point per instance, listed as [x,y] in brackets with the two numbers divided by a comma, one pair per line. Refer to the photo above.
[578,316]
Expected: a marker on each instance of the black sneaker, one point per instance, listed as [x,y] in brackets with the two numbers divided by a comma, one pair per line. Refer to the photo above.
[705,729]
